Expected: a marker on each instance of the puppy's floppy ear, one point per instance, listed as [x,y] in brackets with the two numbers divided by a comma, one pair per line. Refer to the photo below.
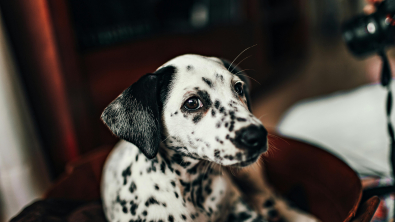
[135,115]
[237,71]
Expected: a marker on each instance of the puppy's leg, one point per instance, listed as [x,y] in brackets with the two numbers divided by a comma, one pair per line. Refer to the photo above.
[280,210]
[240,211]
[263,199]
[276,209]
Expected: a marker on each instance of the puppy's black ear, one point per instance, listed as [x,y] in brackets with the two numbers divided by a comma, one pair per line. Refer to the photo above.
[135,115]
[237,71]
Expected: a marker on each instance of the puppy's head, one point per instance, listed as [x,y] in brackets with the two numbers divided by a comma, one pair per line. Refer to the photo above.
[198,106]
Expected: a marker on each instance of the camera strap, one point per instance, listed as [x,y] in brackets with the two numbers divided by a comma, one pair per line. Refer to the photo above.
[385,80]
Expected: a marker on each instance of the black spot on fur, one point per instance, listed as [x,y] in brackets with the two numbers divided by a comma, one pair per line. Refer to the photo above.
[126,173]
[168,162]
[206,98]
[177,158]
[187,186]
[217,104]
[133,207]
[178,172]
[272,213]
[171,218]
[151,201]
[268,203]
[241,119]
[232,115]
[137,157]
[163,167]
[145,213]
[216,153]
[189,67]
[176,194]
[208,189]
[197,118]
[132,187]
[244,216]
[183,217]
[222,109]
[219,77]
[230,157]
[122,203]
[208,81]
[173,183]
[213,113]
[239,156]
[232,125]
[156,187]
[193,170]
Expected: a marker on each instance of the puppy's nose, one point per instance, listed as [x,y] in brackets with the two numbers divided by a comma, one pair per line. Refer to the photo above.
[252,137]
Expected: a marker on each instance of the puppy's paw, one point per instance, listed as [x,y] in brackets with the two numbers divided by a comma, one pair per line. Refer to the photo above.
[277,210]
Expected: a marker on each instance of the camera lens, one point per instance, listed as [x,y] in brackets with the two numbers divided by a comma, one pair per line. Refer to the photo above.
[367,34]
[361,34]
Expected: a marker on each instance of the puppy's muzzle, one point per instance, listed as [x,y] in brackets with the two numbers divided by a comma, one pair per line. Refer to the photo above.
[252,138]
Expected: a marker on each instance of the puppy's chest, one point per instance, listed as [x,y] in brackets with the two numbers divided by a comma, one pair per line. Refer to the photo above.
[207,198]
[156,190]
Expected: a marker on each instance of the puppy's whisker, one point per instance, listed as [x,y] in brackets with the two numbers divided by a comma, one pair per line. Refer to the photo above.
[240,54]
[277,137]
[272,146]
[240,62]
[243,71]
[258,162]
[250,78]
[165,139]
[262,116]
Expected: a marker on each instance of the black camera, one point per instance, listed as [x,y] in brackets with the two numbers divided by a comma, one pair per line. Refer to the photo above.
[367,34]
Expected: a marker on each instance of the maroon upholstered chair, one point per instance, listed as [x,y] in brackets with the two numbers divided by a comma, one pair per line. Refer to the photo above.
[331,189]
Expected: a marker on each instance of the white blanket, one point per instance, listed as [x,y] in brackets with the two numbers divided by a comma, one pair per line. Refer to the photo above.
[351,125]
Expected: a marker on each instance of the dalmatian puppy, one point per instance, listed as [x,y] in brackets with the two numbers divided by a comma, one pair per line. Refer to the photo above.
[180,127]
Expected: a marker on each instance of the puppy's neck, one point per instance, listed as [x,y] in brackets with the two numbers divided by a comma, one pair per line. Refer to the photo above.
[203,187]
[187,168]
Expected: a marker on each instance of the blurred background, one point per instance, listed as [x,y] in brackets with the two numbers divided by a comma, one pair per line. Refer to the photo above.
[63,61]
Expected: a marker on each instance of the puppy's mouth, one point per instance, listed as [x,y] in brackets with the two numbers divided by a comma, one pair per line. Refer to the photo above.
[251,159]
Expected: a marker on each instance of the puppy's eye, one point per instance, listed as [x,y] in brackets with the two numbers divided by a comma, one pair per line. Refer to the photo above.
[239,88]
[193,103]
